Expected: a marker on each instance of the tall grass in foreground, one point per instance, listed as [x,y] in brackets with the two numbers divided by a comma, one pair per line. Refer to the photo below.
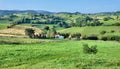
[12,40]
[59,55]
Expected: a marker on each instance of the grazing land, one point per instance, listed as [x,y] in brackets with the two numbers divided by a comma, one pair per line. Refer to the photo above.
[59,54]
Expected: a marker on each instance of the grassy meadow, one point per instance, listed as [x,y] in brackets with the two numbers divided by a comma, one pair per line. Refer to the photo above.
[62,54]
[93,30]
[3,26]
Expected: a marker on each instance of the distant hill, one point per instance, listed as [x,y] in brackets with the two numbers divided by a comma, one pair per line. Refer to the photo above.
[7,12]
[44,12]
[108,13]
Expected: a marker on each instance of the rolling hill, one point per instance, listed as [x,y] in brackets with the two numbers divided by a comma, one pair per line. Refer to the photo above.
[17,31]
[95,30]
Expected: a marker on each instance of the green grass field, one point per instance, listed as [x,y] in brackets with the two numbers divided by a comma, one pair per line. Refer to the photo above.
[60,54]
[14,40]
[94,30]
[110,22]
[3,26]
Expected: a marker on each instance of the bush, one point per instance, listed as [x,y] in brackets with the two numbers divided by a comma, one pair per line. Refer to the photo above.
[94,49]
[30,32]
[102,32]
[84,37]
[12,25]
[112,31]
[116,24]
[66,35]
[51,33]
[116,38]
[46,28]
[107,18]
[110,37]
[92,37]
[104,38]
[75,36]
[88,50]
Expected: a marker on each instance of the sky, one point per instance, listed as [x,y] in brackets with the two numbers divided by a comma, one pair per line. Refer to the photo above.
[83,6]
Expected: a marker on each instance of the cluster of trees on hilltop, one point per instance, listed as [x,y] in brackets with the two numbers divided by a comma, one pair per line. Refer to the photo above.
[62,19]
[8,12]
[108,13]
[86,21]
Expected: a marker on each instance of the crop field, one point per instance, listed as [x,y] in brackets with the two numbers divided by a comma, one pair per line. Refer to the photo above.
[62,54]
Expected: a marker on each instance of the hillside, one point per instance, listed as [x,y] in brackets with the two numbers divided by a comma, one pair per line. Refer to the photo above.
[8,12]
[92,30]
[17,31]
[63,22]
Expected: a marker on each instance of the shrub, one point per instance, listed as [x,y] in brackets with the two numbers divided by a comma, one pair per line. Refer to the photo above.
[51,33]
[66,35]
[116,24]
[117,38]
[94,49]
[92,37]
[84,37]
[46,28]
[12,25]
[102,32]
[110,37]
[30,32]
[103,38]
[112,31]
[77,35]
[88,50]
[107,18]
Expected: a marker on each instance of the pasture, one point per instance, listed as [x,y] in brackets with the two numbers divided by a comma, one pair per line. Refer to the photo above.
[92,30]
[61,54]
[3,26]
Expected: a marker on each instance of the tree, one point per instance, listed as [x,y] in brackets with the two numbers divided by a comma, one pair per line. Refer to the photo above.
[46,28]
[87,18]
[96,23]
[103,32]
[30,32]
[80,21]
[107,18]
[51,33]
[63,24]
[117,17]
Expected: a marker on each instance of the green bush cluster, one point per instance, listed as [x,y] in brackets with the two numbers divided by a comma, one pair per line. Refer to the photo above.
[66,35]
[89,50]
[92,37]
[77,35]
[30,32]
[111,37]
[103,32]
